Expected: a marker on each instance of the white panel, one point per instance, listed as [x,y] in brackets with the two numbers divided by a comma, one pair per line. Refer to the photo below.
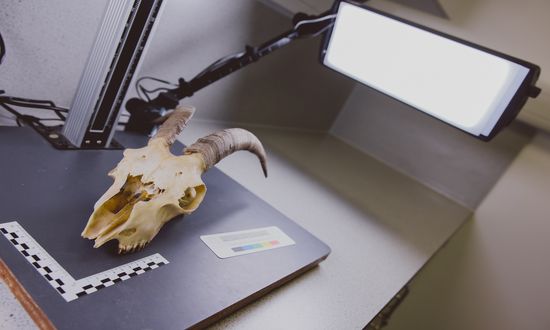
[463,86]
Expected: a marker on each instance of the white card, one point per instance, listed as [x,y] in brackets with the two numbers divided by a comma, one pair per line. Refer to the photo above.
[243,242]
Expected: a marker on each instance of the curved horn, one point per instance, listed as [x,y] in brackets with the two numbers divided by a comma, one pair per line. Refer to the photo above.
[175,123]
[221,144]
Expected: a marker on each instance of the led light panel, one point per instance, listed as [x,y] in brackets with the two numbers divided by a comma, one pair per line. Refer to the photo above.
[465,85]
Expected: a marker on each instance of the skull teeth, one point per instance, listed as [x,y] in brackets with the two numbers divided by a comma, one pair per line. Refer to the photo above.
[131,248]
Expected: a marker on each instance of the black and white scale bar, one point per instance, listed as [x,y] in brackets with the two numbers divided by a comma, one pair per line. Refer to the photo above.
[69,288]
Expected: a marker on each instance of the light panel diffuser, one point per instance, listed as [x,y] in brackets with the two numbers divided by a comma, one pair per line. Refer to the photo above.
[463,85]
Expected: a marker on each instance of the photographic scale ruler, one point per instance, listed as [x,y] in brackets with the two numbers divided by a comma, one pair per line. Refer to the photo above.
[69,288]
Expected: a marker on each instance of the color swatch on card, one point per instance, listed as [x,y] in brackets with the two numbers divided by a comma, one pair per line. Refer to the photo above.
[254,246]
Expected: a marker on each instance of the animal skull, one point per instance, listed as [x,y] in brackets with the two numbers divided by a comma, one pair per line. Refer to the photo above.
[152,186]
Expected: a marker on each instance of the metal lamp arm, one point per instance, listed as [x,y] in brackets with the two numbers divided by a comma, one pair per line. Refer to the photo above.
[302,29]
[143,113]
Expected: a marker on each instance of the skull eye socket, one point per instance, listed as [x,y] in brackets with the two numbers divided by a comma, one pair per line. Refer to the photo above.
[188,197]
[191,198]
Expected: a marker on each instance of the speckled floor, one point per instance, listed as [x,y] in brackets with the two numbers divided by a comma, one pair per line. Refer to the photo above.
[12,315]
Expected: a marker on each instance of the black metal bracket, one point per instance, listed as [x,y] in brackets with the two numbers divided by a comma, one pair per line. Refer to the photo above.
[53,135]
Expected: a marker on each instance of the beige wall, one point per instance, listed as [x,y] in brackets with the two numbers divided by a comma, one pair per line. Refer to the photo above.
[493,274]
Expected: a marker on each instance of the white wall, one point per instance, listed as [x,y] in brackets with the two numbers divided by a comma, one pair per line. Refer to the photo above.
[48,43]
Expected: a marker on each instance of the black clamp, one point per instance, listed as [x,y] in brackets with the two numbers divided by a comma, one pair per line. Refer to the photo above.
[184,90]
[533,91]
[252,52]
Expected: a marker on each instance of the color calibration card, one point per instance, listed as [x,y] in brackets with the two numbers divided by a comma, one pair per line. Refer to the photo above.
[238,243]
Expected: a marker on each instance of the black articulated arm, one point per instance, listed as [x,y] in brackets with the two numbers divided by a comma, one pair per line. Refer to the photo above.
[144,112]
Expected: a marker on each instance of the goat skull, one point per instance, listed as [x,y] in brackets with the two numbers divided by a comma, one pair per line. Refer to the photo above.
[152,185]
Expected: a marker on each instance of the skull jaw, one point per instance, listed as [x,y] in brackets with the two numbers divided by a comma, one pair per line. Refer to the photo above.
[139,230]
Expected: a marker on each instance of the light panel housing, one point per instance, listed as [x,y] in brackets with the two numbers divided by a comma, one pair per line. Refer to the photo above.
[465,85]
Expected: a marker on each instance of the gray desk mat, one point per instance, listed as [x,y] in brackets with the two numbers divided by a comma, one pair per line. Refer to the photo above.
[51,194]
